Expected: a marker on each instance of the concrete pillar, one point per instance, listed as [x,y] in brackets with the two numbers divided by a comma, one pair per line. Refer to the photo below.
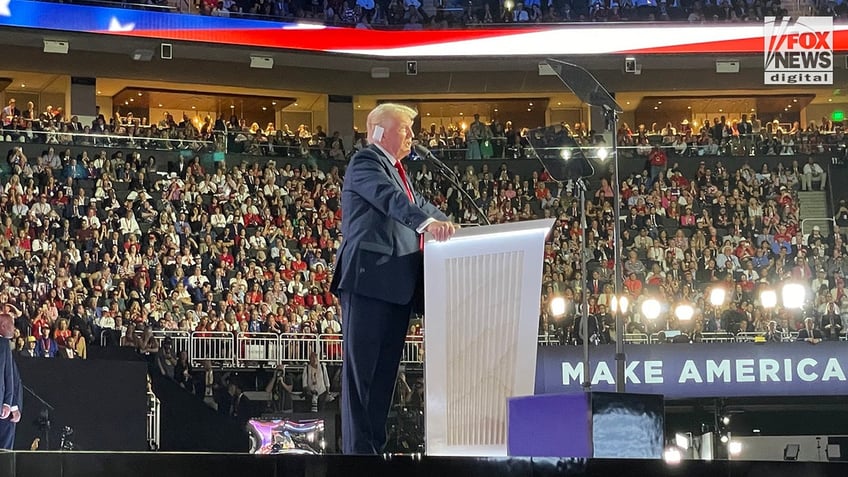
[340,118]
[81,99]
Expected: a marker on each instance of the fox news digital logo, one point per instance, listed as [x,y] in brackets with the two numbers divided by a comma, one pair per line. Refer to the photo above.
[798,51]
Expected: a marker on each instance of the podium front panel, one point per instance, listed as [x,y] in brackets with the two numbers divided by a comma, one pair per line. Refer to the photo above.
[482,298]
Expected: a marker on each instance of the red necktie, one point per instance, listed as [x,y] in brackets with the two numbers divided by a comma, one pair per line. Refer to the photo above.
[408,189]
[402,174]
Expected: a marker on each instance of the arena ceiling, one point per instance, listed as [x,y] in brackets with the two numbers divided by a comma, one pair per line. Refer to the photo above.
[226,69]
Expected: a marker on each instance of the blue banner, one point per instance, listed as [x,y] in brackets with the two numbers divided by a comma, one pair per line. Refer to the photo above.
[702,370]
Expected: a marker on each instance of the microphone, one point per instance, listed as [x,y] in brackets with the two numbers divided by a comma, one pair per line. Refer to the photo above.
[448,174]
[425,153]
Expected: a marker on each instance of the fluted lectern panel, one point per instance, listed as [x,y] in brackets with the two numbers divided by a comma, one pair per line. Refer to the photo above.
[482,346]
[482,316]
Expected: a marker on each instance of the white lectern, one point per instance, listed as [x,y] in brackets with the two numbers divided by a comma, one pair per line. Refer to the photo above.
[482,297]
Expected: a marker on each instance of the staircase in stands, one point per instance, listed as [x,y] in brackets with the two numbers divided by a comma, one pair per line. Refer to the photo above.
[814,211]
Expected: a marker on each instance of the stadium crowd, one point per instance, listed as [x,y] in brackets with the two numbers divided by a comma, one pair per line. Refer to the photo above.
[113,242]
[416,14]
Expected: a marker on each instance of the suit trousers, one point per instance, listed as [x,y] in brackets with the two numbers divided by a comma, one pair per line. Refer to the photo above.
[7,434]
[374,333]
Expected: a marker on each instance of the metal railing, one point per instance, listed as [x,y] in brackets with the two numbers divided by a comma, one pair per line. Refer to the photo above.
[636,338]
[227,349]
[154,416]
[217,347]
[717,337]
[146,140]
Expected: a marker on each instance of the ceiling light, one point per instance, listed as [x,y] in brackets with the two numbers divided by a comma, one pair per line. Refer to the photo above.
[688,107]
[232,106]
[139,93]
[496,110]
[194,107]
[788,105]
[628,103]
[752,110]
[99,92]
[794,100]
[160,105]
[829,100]
[559,103]
[23,85]
[659,102]
[529,109]
[461,114]
[273,103]
[428,114]
[132,99]
[656,107]
[721,110]
[530,104]
[264,108]
[295,104]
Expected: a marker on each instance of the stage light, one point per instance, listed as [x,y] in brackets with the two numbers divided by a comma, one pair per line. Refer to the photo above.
[651,309]
[793,296]
[672,456]
[724,438]
[684,312]
[717,296]
[558,306]
[725,420]
[565,154]
[768,298]
[603,153]
[734,447]
[619,305]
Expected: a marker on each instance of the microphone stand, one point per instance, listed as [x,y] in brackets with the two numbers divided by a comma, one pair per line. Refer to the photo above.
[580,185]
[44,417]
[443,170]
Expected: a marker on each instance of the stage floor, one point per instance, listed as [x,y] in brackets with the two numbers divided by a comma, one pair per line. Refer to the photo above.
[144,464]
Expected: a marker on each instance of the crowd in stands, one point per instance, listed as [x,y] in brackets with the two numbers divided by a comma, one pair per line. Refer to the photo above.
[736,229]
[119,246]
[477,140]
[733,137]
[416,14]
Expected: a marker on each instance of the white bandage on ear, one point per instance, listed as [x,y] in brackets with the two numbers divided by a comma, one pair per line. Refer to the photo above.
[378,133]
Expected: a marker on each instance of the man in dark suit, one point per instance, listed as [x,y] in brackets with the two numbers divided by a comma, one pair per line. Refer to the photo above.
[378,271]
[10,384]
[809,333]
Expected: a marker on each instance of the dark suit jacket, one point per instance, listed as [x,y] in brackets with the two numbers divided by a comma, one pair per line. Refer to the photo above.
[379,256]
[10,380]
[803,334]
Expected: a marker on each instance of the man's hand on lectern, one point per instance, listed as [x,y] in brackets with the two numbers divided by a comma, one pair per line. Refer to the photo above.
[441,230]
